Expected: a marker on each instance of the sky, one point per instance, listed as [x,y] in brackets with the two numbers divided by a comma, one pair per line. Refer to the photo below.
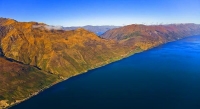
[102,12]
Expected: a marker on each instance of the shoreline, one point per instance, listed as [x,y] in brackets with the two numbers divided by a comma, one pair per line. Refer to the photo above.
[62,80]
[130,53]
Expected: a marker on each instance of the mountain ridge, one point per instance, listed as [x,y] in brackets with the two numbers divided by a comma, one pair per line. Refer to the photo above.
[49,52]
[151,35]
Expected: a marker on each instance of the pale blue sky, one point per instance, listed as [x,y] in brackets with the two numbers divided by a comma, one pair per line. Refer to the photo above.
[102,12]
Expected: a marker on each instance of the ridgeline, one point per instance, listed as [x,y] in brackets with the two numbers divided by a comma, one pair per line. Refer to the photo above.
[35,56]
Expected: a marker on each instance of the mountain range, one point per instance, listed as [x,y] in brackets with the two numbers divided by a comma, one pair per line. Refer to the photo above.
[34,56]
[99,30]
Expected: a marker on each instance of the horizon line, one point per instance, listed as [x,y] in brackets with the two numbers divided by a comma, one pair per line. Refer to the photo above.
[147,24]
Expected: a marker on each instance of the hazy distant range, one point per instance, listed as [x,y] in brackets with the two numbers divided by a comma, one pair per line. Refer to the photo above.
[99,30]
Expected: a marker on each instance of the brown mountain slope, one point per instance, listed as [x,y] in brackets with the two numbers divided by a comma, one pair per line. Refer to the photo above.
[145,37]
[19,81]
[47,53]
[60,53]
[65,53]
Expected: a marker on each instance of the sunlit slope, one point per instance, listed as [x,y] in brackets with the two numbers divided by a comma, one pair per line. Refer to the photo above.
[60,52]
[145,37]
[35,55]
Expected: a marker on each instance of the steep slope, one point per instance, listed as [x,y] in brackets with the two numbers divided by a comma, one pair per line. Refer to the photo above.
[18,81]
[50,55]
[43,55]
[145,37]
[65,53]
[60,52]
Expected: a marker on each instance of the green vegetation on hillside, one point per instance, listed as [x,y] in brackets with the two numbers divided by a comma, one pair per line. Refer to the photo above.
[20,81]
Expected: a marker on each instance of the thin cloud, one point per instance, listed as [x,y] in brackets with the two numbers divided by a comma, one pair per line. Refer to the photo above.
[48,27]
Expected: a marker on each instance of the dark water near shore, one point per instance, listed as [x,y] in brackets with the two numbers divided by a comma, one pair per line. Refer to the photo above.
[165,77]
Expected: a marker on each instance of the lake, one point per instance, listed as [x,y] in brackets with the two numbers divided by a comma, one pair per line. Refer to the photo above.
[165,77]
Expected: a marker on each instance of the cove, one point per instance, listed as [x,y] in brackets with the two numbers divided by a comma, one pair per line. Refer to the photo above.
[165,77]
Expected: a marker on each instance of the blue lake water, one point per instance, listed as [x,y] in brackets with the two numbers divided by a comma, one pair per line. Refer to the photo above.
[165,77]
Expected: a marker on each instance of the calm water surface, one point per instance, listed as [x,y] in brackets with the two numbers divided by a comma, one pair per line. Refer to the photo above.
[165,77]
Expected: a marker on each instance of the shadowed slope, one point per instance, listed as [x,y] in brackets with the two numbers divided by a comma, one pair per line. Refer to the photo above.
[19,81]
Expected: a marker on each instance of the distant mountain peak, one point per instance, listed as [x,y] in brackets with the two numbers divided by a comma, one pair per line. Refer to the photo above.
[96,29]
[81,29]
